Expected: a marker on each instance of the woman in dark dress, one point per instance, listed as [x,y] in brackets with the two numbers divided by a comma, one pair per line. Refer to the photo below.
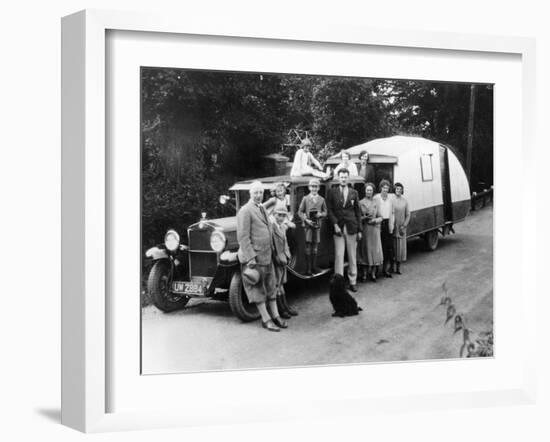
[385,210]
[366,170]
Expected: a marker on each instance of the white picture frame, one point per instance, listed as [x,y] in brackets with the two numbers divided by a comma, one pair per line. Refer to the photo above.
[85,311]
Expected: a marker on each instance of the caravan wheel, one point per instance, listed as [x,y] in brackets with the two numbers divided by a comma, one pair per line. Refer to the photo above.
[431,239]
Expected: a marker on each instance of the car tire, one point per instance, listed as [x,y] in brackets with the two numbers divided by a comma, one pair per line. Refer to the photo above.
[238,301]
[158,285]
[431,239]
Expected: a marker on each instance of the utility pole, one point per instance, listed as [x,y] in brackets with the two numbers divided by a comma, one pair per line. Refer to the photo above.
[470,132]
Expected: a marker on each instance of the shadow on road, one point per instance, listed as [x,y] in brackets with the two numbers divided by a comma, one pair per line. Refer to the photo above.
[51,414]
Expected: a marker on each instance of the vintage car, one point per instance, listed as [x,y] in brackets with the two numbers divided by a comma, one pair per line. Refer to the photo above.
[206,266]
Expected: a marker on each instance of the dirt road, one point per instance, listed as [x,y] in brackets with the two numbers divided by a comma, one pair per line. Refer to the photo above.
[401,319]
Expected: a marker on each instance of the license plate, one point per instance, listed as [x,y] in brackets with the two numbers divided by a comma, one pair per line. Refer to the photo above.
[187,288]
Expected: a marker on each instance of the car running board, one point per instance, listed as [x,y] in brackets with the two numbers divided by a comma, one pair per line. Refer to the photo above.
[299,275]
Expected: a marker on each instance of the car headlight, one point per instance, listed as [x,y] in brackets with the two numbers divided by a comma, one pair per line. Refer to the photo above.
[172,240]
[217,241]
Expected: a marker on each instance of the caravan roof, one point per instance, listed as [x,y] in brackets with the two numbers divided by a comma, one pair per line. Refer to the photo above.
[387,150]
[269,182]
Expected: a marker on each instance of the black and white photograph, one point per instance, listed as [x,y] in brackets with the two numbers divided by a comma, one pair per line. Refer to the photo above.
[292,220]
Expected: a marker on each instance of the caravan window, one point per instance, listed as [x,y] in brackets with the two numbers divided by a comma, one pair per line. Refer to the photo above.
[360,187]
[426,167]
[382,171]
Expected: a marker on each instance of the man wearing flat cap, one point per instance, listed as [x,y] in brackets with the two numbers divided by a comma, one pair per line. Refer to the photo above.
[254,234]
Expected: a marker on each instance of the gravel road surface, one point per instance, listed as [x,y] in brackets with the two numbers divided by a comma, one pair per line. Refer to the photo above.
[401,319]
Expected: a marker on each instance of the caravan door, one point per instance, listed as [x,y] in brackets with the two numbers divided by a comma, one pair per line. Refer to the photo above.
[445,184]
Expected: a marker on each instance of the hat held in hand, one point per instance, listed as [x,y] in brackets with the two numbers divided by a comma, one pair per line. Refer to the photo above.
[252,276]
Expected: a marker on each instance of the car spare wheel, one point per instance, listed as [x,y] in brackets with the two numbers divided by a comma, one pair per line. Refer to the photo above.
[159,284]
[238,301]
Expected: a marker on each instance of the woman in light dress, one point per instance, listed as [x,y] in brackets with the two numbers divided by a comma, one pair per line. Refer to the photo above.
[346,164]
[370,247]
[402,216]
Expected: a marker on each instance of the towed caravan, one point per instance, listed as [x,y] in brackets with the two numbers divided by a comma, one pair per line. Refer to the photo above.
[435,182]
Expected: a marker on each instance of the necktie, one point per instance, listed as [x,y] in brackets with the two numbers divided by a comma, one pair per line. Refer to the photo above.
[343,192]
[262,209]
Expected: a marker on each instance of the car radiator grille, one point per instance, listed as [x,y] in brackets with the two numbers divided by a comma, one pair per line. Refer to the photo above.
[203,261]
[200,240]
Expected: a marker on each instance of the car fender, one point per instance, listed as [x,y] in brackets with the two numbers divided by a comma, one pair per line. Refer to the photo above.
[229,258]
[156,253]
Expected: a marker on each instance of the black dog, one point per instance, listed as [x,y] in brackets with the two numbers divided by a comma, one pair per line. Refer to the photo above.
[343,303]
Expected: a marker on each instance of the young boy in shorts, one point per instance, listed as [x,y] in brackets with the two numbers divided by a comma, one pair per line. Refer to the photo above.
[312,210]
[281,260]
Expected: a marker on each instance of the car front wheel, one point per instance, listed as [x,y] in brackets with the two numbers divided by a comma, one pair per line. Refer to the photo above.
[238,301]
[159,283]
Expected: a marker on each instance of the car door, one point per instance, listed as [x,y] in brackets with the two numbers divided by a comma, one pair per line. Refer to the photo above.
[325,254]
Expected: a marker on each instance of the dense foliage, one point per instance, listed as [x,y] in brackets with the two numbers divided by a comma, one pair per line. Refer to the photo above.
[201,131]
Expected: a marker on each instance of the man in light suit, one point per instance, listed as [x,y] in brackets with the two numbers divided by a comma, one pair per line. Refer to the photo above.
[254,235]
[345,216]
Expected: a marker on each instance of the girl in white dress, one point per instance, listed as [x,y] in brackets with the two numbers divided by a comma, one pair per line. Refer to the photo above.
[346,164]
[305,164]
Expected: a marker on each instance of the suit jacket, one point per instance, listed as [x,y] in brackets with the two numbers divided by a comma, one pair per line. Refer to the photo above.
[344,214]
[254,234]
[307,204]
